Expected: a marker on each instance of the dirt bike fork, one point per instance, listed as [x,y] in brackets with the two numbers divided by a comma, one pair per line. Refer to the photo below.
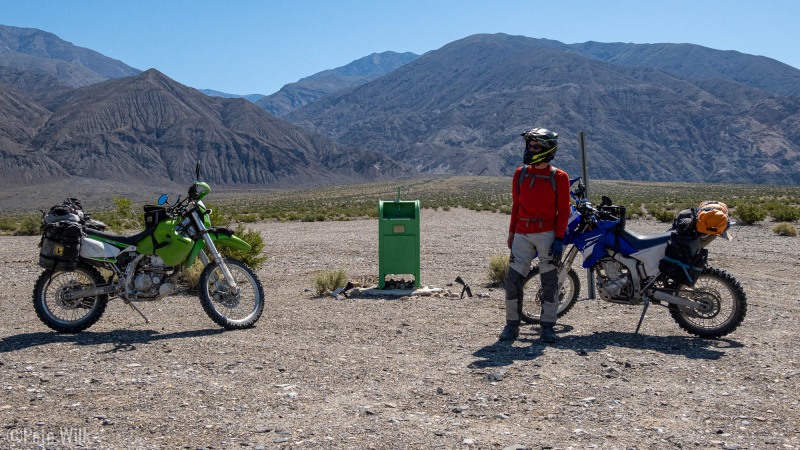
[565,264]
[215,254]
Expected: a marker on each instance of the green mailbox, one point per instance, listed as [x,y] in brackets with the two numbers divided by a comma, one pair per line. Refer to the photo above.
[398,240]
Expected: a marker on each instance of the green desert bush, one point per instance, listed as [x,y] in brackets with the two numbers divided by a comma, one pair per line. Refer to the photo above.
[329,281]
[498,267]
[784,229]
[253,257]
[781,212]
[29,226]
[192,275]
[749,213]
[664,215]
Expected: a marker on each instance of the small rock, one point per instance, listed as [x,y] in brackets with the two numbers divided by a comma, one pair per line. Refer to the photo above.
[496,376]
[280,440]
[263,429]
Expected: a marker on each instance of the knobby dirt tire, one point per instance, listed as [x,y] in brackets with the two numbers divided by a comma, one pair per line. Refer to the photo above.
[68,316]
[228,310]
[531,307]
[726,301]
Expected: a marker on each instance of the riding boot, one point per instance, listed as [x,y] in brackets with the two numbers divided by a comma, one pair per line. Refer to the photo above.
[510,331]
[548,336]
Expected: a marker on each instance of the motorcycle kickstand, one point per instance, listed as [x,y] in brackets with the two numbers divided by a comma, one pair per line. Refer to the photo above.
[133,307]
[644,311]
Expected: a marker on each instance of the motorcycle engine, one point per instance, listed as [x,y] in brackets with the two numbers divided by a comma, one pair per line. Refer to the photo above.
[149,277]
[613,281]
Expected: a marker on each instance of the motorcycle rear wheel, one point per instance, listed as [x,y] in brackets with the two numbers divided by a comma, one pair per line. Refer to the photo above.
[531,310]
[231,310]
[724,301]
[68,316]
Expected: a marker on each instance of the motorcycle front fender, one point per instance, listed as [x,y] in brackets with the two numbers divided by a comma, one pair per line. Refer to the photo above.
[232,241]
[221,237]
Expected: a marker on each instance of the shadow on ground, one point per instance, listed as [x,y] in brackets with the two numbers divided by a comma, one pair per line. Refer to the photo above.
[503,353]
[122,340]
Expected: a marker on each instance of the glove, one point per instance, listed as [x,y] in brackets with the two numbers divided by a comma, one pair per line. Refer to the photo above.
[557,250]
[510,239]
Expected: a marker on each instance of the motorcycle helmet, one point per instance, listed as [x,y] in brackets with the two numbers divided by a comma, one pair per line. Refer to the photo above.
[712,218]
[540,146]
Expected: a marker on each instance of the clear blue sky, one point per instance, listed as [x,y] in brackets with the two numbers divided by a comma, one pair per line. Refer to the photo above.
[257,46]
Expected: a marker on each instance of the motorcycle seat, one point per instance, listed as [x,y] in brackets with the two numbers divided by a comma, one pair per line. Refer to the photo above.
[640,242]
[128,240]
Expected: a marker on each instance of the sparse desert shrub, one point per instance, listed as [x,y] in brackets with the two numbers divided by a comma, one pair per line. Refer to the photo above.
[784,229]
[123,217]
[749,213]
[252,257]
[664,215]
[782,212]
[29,226]
[498,267]
[329,281]
[192,275]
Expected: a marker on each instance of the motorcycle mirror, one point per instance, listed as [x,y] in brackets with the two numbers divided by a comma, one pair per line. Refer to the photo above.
[606,201]
[163,199]
[197,171]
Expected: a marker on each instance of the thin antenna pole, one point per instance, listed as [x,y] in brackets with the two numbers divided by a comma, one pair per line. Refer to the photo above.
[585,175]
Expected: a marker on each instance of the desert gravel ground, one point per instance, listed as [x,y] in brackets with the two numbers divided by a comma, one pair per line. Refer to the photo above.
[413,372]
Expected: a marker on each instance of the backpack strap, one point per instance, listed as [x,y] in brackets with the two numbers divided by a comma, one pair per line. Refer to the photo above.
[524,173]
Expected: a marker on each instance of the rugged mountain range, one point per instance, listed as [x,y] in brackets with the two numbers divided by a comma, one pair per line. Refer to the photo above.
[694,62]
[664,112]
[149,127]
[460,110]
[312,88]
[32,50]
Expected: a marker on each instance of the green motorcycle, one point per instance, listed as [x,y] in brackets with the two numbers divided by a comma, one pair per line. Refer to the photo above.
[71,294]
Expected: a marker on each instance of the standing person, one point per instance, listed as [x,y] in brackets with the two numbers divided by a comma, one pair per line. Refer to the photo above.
[539,215]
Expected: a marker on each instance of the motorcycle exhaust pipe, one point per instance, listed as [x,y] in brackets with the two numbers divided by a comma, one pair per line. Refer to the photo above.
[674,299]
[90,292]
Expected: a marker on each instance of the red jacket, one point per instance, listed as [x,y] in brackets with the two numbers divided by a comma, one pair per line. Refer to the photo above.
[534,210]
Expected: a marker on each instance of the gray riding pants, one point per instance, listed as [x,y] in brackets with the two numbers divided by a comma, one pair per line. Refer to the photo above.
[523,250]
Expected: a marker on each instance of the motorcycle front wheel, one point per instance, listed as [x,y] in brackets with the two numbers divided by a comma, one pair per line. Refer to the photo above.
[724,305]
[229,308]
[63,315]
[531,309]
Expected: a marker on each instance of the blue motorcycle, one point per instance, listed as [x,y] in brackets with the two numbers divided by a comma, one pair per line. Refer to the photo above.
[667,269]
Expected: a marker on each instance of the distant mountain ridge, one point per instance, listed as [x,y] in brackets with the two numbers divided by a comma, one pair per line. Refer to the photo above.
[149,127]
[460,109]
[249,97]
[29,49]
[699,63]
[314,87]
[658,112]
